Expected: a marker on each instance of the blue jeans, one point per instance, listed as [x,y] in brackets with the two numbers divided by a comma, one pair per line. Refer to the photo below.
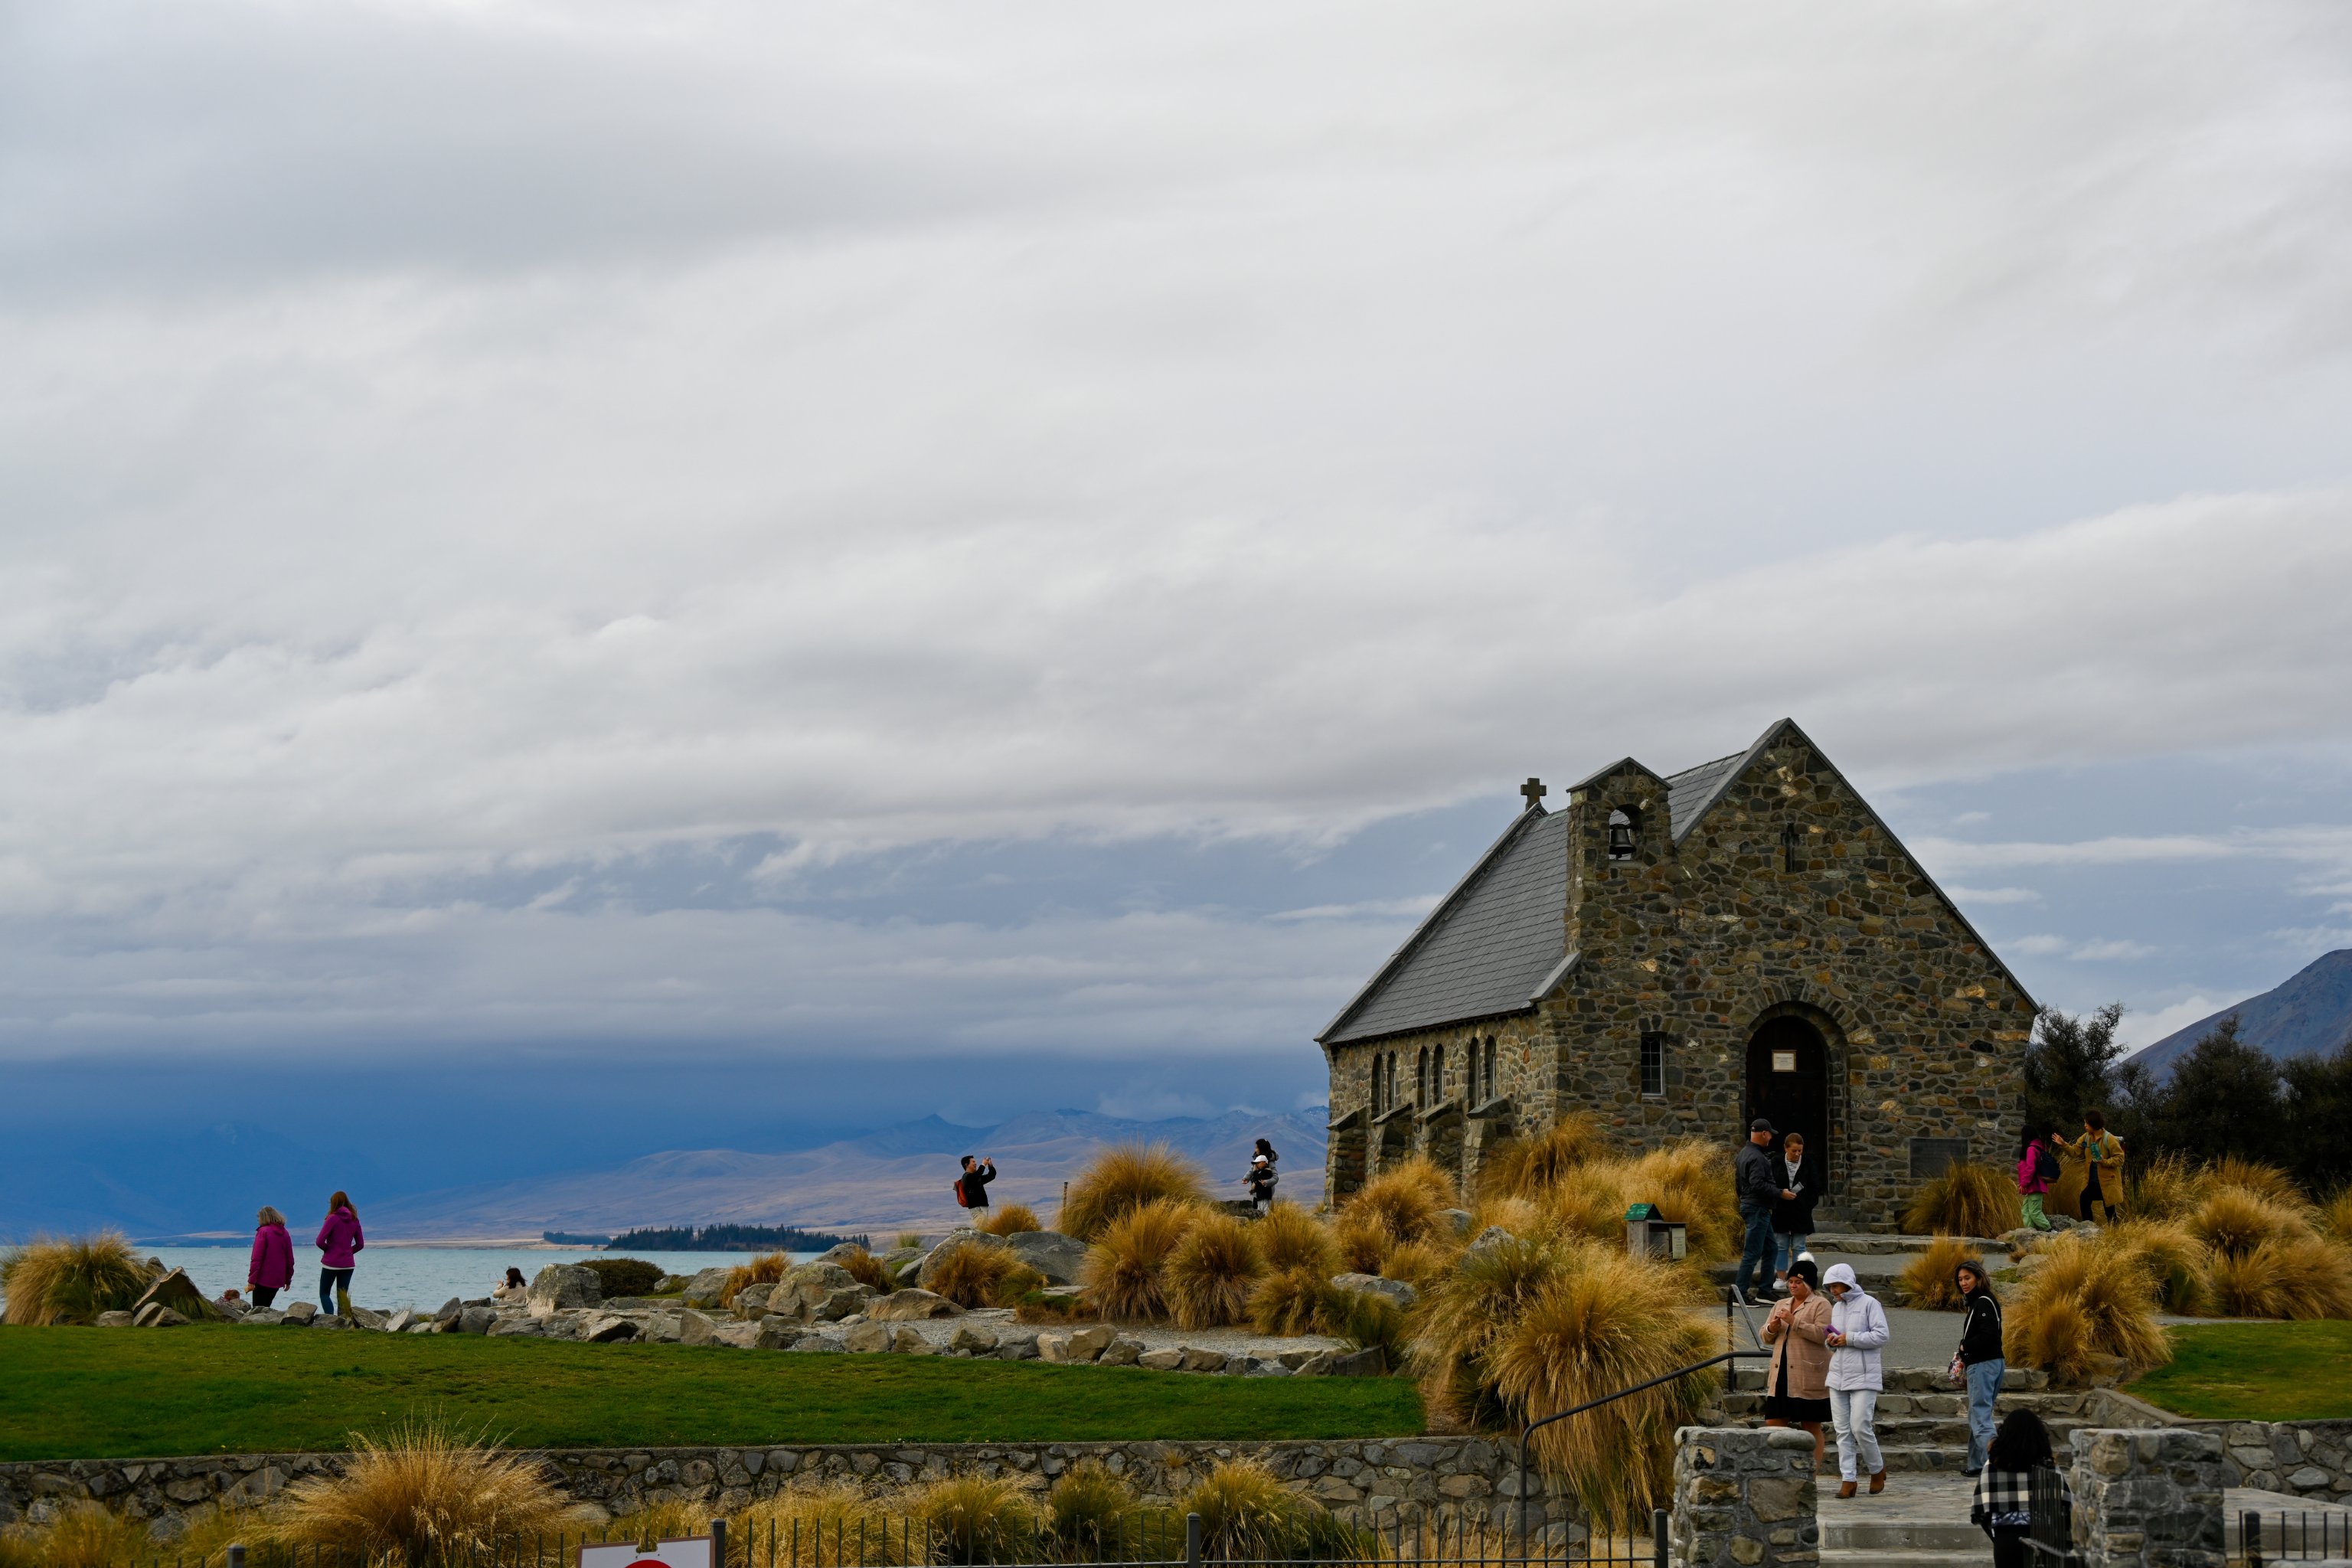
[1756,1262]
[331,1282]
[1984,1387]
[1786,1245]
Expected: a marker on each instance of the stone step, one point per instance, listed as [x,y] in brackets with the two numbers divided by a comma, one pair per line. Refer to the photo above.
[1919,1380]
[1879,1557]
[2047,1406]
[1900,1534]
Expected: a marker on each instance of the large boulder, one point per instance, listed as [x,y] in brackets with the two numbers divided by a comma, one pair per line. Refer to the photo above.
[1050,1253]
[1395,1291]
[936,1258]
[777,1333]
[912,1306]
[299,1314]
[565,1286]
[868,1338]
[606,1328]
[477,1321]
[178,1292]
[155,1315]
[702,1290]
[751,1302]
[799,1293]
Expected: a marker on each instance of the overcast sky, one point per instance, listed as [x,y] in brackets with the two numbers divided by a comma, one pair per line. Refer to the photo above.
[576,533]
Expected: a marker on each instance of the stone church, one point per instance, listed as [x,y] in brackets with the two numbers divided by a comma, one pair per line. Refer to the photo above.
[1679,953]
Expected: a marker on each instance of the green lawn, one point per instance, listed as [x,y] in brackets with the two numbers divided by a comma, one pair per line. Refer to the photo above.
[124,1394]
[2255,1372]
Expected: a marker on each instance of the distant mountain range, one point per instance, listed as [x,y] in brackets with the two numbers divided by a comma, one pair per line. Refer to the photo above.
[2310,1014]
[896,1178]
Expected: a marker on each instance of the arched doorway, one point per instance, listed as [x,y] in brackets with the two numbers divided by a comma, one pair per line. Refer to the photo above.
[1788,1086]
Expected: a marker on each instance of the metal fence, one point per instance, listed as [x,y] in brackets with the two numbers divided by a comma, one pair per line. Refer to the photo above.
[1148,1539]
[2302,1536]
[2050,1538]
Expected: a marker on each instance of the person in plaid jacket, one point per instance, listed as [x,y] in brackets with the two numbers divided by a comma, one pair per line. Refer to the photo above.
[2004,1509]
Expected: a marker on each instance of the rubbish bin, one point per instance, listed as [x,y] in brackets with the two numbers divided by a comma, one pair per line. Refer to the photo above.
[1649,1234]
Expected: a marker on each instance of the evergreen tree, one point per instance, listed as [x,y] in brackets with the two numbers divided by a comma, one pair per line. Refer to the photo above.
[2069,1067]
[2317,1142]
[2221,1099]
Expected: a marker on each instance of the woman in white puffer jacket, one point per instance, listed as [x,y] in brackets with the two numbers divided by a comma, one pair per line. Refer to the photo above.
[1858,1331]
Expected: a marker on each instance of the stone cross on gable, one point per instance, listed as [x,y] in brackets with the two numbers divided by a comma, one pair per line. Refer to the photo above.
[1534,790]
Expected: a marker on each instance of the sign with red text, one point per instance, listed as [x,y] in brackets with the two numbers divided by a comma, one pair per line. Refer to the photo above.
[693,1552]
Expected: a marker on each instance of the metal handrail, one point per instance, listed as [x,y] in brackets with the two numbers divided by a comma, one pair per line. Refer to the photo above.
[1528,1430]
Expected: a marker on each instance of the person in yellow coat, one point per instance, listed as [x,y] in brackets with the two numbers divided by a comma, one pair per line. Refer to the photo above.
[2103,1155]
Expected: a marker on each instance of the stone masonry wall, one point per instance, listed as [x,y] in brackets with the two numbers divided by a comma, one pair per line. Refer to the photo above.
[1744,1497]
[1438,1480]
[1703,940]
[2148,1497]
[2306,1458]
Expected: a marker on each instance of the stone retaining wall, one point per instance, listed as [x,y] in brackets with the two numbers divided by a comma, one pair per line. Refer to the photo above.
[1744,1497]
[1376,1481]
[2308,1459]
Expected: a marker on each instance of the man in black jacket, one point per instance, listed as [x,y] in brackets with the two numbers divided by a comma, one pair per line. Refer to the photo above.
[1979,1357]
[1756,1176]
[972,1185]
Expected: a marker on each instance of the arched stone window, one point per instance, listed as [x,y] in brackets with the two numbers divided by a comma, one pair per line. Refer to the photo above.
[1421,1078]
[1793,847]
[1376,1084]
[1653,1066]
[1492,1092]
[1436,1074]
[1625,833]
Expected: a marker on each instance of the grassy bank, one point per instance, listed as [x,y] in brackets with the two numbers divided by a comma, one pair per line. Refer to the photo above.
[2256,1372]
[72,1393]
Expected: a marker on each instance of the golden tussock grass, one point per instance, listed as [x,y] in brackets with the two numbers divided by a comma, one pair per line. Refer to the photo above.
[1965,1199]
[424,1492]
[2265,1181]
[1301,1300]
[1417,1262]
[1247,1515]
[1530,1167]
[1690,1181]
[1460,1316]
[764,1269]
[1408,1202]
[2084,1301]
[979,1519]
[1361,1241]
[973,1275]
[868,1270]
[82,1535]
[1210,1274]
[1010,1219]
[1608,1321]
[2335,1216]
[2165,1187]
[1521,1216]
[1927,1281]
[70,1280]
[2294,1276]
[2173,1261]
[2233,1220]
[814,1524]
[1125,1271]
[1290,1237]
[1124,1178]
[1089,1511]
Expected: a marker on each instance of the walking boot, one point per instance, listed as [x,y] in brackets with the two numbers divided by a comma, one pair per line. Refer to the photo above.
[1878,1481]
[1846,1489]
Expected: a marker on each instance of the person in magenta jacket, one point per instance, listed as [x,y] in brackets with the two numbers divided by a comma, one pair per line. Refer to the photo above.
[272,1269]
[339,1239]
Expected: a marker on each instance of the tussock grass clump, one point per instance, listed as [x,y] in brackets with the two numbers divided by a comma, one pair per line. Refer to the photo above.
[421,1494]
[804,1522]
[1125,1271]
[1008,1220]
[1928,1279]
[1366,1321]
[1127,1177]
[1464,1313]
[1608,1321]
[2233,1222]
[2084,1302]
[2335,1216]
[1409,1201]
[979,1519]
[1521,1216]
[1361,1241]
[1417,1262]
[1247,1515]
[1690,1181]
[1529,1167]
[971,1275]
[1087,1511]
[2173,1261]
[1300,1301]
[764,1269]
[1210,1274]
[909,1238]
[2294,1276]
[1290,1237]
[624,1276]
[82,1535]
[2265,1181]
[868,1270]
[2163,1188]
[70,1280]
[1965,1199]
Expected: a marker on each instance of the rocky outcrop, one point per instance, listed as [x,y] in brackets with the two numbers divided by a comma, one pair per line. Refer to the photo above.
[1395,1291]
[562,1286]
[1057,1257]
[912,1305]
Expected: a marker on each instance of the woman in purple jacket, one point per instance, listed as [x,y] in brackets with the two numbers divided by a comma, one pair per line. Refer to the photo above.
[272,1269]
[339,1238]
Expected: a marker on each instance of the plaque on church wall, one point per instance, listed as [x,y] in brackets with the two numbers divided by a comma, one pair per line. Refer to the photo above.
[1929,1156]
[1784,1061]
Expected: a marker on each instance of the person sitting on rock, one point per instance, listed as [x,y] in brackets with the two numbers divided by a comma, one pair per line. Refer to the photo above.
[513,1288]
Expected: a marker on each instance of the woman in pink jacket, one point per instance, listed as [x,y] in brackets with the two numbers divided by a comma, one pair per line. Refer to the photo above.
[272,1269]
[339,1239]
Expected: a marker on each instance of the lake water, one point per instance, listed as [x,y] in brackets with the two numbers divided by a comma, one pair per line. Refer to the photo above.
[388,1277]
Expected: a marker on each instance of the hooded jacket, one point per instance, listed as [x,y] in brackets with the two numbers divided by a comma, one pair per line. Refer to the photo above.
[1855,1363]
[339,1238]
[1981,1336]
[271,1267]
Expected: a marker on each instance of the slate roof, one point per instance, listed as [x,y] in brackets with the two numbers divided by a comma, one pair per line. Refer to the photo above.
[1493,943]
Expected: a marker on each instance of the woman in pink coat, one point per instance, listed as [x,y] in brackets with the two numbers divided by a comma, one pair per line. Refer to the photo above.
[272,1269]
[339,1239]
